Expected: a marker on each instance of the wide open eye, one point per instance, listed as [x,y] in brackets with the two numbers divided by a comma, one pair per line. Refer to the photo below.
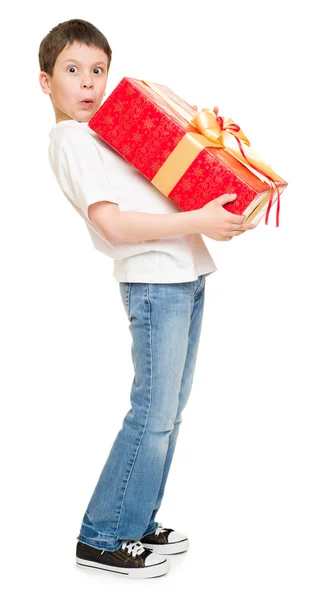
[73,67]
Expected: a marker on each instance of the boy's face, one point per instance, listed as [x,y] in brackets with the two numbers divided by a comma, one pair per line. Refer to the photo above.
[80,72]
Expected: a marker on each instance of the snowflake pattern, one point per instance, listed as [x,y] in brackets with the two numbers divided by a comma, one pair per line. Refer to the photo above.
[148,123]
[118,106]
[137,137]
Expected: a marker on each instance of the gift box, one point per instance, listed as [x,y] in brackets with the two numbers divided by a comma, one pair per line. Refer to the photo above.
[190,156]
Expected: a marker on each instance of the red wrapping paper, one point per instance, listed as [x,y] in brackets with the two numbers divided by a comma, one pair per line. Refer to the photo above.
[145,129]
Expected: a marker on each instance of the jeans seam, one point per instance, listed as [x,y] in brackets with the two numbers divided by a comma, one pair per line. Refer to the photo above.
[200,287]
[146,420]
[128,295]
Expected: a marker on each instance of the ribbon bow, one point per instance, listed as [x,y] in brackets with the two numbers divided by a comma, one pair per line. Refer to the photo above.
[229,135]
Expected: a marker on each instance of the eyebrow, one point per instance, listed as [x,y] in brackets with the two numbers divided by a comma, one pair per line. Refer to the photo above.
[99,62]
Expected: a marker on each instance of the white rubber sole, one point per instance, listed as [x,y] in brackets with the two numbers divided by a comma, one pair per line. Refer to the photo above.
[171,548]
[136,572]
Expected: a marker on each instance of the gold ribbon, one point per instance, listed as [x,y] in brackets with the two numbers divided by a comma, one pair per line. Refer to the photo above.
[209,132]
[225,132]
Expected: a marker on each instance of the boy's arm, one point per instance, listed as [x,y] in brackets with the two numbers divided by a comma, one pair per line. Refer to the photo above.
[124,226]
[83,173]
[212,220]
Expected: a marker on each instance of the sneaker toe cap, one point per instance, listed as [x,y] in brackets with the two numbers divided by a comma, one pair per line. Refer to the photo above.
[154,559]
[176,536]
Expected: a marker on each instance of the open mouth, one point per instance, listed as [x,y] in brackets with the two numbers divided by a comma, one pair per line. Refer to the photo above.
[87,102]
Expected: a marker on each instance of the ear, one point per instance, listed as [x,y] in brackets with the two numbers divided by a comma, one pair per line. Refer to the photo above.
[44,82]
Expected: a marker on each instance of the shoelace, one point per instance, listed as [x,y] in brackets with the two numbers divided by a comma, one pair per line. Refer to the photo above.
[133,547]
[159,529]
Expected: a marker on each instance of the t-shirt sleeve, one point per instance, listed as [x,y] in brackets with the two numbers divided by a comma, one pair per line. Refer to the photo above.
[84,170]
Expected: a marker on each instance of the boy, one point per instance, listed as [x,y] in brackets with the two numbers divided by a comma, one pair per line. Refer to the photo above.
[161,264]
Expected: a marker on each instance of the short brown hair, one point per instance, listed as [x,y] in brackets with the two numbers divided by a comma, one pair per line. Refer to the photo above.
[68,32]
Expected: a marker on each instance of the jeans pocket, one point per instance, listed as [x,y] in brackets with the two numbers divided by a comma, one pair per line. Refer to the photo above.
[125,289]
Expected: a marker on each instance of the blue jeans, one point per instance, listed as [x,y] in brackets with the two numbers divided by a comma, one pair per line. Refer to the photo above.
[165,323]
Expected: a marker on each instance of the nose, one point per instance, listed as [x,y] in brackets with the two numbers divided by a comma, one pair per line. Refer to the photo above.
[87,81]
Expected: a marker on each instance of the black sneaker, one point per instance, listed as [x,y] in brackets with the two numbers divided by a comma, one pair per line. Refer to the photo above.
[130,559]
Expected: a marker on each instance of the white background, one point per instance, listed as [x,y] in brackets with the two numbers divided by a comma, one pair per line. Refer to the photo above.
[238,485]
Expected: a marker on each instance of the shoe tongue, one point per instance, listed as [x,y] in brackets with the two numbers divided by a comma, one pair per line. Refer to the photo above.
[146,552]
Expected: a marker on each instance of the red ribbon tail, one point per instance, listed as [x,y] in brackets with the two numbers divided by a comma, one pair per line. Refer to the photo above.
[278,208]
[272,185]
[269,205]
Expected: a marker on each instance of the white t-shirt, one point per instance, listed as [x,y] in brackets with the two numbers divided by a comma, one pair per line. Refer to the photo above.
[88,170]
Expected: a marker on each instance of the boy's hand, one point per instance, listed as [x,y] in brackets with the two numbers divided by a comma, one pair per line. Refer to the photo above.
[218,223]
